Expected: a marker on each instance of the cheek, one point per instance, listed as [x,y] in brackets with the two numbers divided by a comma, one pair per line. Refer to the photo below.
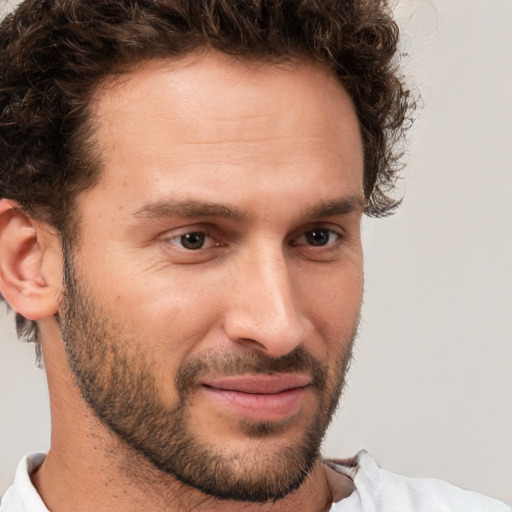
[166,312]
[333,301]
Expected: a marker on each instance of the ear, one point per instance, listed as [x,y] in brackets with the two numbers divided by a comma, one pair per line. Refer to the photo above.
[30,263]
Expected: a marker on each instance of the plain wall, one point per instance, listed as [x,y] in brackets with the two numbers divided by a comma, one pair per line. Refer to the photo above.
[430,389]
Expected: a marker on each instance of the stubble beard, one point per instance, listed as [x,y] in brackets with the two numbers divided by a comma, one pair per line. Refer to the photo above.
[120,387]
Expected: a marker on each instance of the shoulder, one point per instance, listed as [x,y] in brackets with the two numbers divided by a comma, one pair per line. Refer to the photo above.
[381,490]
[22,496]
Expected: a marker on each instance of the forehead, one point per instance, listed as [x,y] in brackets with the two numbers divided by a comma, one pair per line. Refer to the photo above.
[211,81]
[210,119]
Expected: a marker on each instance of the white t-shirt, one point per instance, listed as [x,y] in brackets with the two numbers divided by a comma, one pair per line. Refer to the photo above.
[376,490]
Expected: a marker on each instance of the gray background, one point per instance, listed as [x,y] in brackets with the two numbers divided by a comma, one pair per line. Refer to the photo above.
[430,391]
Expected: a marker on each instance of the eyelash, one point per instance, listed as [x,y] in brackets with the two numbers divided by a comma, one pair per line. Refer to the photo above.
[311,232]
[203,234]
[315,231]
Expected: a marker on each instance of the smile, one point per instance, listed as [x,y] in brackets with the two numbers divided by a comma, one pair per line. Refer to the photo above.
[259,397]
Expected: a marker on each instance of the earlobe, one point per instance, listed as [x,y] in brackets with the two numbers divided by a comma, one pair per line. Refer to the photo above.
[29,263]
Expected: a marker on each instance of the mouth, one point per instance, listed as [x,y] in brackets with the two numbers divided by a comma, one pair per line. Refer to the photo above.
[259,397]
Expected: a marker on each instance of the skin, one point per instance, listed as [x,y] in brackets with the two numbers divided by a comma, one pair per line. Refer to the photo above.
[275,145]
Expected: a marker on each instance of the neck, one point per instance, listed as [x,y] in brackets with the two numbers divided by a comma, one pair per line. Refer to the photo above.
[70,483]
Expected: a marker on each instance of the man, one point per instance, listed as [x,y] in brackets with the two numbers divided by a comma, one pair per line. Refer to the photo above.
[183,184]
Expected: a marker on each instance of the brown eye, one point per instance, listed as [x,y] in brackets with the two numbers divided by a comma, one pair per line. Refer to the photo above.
[192,241]
[318,237]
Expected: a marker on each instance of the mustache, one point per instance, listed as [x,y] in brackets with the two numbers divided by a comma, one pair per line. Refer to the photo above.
[239,363]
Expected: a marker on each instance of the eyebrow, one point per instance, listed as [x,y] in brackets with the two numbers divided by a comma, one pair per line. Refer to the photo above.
[189,208]
[199,209]
[340,206]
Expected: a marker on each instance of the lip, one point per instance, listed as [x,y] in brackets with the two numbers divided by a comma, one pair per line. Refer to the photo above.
[259,397]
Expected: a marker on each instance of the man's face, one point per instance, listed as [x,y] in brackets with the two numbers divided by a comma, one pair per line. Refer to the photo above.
[213,294]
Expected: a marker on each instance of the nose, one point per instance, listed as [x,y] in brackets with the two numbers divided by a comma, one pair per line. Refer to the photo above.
[266,311]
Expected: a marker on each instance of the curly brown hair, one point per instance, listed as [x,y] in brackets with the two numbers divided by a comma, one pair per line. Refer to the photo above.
[53,53]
